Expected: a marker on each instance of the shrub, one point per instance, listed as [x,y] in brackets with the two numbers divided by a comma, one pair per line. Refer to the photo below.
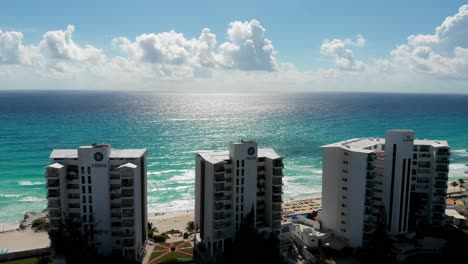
[186,235]
[40,224]
[159,238]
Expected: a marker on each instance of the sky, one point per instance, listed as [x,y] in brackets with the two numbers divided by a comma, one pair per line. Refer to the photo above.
[216,46]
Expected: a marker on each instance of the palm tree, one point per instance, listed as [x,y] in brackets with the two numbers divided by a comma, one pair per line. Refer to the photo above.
[454,184]
[190,227]
[461,181]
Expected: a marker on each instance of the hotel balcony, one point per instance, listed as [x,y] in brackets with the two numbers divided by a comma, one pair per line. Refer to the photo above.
[440,185]
[277,172]
[127,203]
[127,213]
[72,176]
[218,235]
[277,182]
[127,193]
[53,194]
[53,204]
[126,174]
[219,225]
[53,183]
[114,196]
[127,183]
[277,190]
[443,161]
[128,242]
[219,178]
[276,208]
[278,163]
[371,175]
[368,228]
[444,153]
[218,216]
[54,213]
[52,174]
[127,223]
[442,168]
[276,217]
[277,199]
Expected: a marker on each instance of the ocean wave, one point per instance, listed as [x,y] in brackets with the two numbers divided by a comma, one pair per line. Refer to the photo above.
[164,172]
[311,168]
[30,183]
[178,188]
[456,166]
[31,199]
[173,206]
[459,151]
[188,176]
[9,195]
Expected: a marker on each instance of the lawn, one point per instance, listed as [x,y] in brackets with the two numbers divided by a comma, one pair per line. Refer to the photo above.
[162,252]
[23,261]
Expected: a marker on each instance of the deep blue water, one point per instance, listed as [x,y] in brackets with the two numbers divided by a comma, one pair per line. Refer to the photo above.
[172,126]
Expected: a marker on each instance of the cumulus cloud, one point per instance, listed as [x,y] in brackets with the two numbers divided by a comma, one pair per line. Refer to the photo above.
[247,48]
[444,53]
[172,54]
[343,55]
[12,50]
[170,51]
[60,45]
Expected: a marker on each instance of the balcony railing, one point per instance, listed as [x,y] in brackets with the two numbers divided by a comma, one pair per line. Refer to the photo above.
[53,194]
[277,181]
[127,203]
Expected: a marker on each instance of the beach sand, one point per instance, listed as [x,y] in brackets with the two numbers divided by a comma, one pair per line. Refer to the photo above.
[19,240]
[172,220]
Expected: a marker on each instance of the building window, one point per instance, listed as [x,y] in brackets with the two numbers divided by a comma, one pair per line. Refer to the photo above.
[82,179]
[91,219]
[343,213]
[345,162]
[345,188]
[237,199]
[345,197]
[83,189]
[346,154]
[84,199]
[345,171]
[82,170]
[242,189]
[237,181]
[89,189]
[242,163]
[242,172]
[89,170]
[242,180]
[242,199]
[345,179]
[84,208]
[237,208]
[343,205]
[90,199]
[237,172]
[89,179]
[90,209]
[343,222]
[237,163]
[237,190]
[242,207]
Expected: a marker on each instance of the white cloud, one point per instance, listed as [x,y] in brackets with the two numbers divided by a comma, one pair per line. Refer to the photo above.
[247,48]
[443,54]
[60,45]
[344,56]
[12,50]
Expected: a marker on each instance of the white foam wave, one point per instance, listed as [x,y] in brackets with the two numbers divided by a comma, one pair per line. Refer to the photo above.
[30,183]
[457,166]
[294,190]
[9,195]
[311,168]
[459,151]
[188,176]
[173,206]
[163,172]
[31,199]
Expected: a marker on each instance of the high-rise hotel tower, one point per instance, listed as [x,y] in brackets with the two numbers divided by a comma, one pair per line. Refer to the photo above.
[234,187]
[104,190]
[397,181]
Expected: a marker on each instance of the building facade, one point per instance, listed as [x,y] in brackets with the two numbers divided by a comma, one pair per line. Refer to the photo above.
[397,181]
[236,189]
[103,190]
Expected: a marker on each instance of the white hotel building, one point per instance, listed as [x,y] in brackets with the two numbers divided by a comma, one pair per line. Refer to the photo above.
[104,190]
[233,184]
[399,180]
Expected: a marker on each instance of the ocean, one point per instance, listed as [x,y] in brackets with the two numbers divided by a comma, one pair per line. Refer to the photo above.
[173,126]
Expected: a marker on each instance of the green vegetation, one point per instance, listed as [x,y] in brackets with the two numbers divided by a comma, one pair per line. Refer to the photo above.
[40,224]
[162,253]
[39,260]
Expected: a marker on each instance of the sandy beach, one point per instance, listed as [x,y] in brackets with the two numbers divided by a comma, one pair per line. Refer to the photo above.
[172,220]
[19,240]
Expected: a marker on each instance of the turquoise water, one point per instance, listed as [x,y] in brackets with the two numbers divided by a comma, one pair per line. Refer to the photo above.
[172,126]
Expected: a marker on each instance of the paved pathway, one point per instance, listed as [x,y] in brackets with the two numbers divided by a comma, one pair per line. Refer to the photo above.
[167,249]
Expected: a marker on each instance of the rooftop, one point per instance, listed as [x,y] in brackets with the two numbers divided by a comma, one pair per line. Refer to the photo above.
[115,153]
[360,144]
[220,156]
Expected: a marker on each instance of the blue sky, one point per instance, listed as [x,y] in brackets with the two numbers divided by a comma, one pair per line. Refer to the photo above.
[297,32]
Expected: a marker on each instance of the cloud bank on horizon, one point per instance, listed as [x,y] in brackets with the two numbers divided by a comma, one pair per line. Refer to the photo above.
[245,61]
